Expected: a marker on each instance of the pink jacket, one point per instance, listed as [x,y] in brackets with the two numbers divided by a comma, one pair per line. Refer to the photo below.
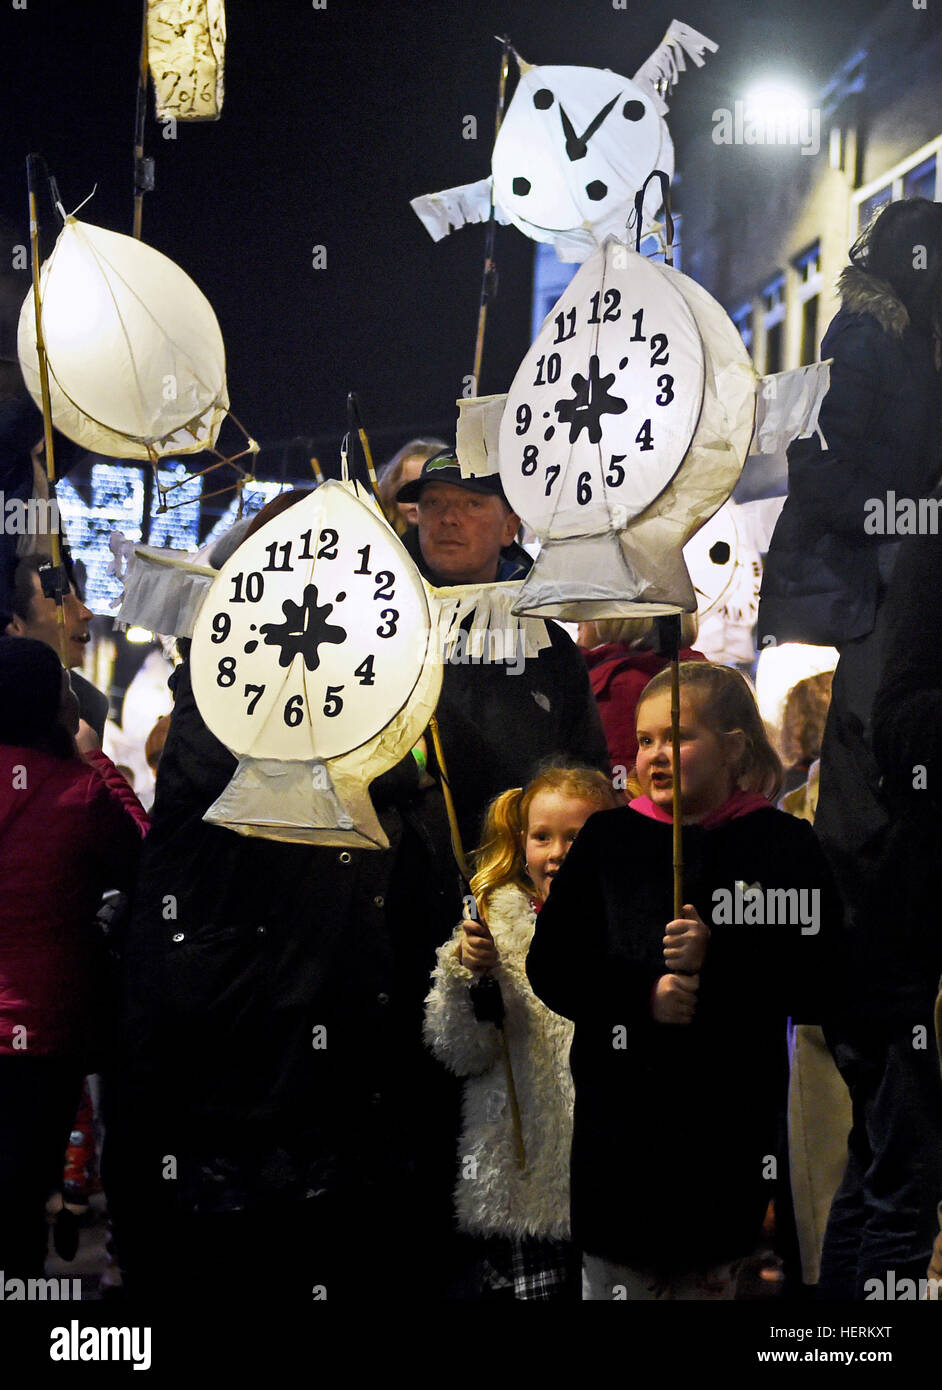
[69,830]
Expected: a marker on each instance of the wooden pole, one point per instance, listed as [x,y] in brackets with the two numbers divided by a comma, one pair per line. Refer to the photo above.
[520,1152]
[489,280]
[677,809]
[33,165]
[143,176]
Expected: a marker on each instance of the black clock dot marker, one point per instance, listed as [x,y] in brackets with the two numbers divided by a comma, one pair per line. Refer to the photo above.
[339,598]
[623,364]
[633,110]
[250,646]
[545,414]
[253,627]
[521,187]
[719,553]
[543,99]
[548,434]
[597,190]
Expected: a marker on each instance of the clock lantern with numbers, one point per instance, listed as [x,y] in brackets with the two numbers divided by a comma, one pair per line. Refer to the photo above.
[625,428]
[315,640]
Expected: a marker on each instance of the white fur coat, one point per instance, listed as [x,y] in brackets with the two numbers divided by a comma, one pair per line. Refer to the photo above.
[493,1196]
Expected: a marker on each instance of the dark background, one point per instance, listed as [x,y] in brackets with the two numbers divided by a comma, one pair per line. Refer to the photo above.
[333,120]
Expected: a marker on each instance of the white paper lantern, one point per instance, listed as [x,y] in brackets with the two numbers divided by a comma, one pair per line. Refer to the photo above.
[313,660]
[638,440]
[575,146]
[137,365]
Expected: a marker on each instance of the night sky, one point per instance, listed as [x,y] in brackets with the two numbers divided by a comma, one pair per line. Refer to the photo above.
[333,120]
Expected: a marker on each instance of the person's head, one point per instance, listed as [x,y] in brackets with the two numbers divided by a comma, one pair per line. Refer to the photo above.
[38,708]
[804,717]
[156,739]
[464,523]
[404,467]
[723,741]
[35,616]
[529,830]
[903,247]
[640,634]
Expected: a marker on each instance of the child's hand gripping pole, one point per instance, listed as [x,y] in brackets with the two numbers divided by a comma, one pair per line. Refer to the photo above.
[488,1005]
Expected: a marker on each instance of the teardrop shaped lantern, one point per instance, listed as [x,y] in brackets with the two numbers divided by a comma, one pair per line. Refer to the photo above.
[625,428]
[313,661]
[137,365]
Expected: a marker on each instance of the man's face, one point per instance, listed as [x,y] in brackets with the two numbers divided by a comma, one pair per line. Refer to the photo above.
[461,533]
[43,625]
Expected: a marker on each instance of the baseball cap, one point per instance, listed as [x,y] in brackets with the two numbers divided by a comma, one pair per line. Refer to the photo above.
[444,467]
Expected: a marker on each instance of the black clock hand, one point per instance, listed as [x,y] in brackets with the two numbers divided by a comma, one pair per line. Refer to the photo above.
[575,149]
[593,127]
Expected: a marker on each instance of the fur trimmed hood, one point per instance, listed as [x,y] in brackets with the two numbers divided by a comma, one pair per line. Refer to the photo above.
[863,293]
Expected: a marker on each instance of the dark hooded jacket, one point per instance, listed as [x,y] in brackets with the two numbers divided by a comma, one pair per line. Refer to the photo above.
[824,575]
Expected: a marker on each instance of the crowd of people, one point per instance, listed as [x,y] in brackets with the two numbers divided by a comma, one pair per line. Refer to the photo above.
[322,1065]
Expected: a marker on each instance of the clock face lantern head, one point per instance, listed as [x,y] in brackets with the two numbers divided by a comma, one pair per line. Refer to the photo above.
[606,402]
[314,634]
[574,148]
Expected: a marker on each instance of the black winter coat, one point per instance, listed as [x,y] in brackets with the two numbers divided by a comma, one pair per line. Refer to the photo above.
[674,1124]
[880,420]
[901,946]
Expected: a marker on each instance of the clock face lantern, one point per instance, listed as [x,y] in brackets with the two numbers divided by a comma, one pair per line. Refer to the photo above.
[574,147]
[315,639]
[625,429]
[604,406]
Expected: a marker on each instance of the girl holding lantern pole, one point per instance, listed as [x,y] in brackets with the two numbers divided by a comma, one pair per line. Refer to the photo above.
[518,1200]
[680,1024]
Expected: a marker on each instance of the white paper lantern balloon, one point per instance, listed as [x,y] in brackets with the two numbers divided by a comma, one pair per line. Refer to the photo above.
[604,405]
[574,148]
[315,634]
[136,359]
[637,441]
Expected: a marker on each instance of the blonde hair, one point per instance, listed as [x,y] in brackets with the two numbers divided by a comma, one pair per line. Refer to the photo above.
[500,859]
[726,703]
[806,710]
[390,477]
[639,633]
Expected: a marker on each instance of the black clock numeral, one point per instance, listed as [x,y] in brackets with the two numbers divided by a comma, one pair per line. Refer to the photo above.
[364,671]
[254,586]
[643,437]
[392,618]
[616,474]
[328,544]
[225,675]
[659,350]
[584,489]
[306,548]
[294,711]
[562,336]
[364,567]
[524,416]
[259,692]
[285,548]
[332,701]
[666,393]
[553,364]
[530,455]
[612,312]
[222,624]
[552,473]
[637,336]
[384,584]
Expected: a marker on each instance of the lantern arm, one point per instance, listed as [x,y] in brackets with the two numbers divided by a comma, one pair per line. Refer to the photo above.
[445,211]
[492,609]
[163,591]
[658,74]
[787,406]
[476,439]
